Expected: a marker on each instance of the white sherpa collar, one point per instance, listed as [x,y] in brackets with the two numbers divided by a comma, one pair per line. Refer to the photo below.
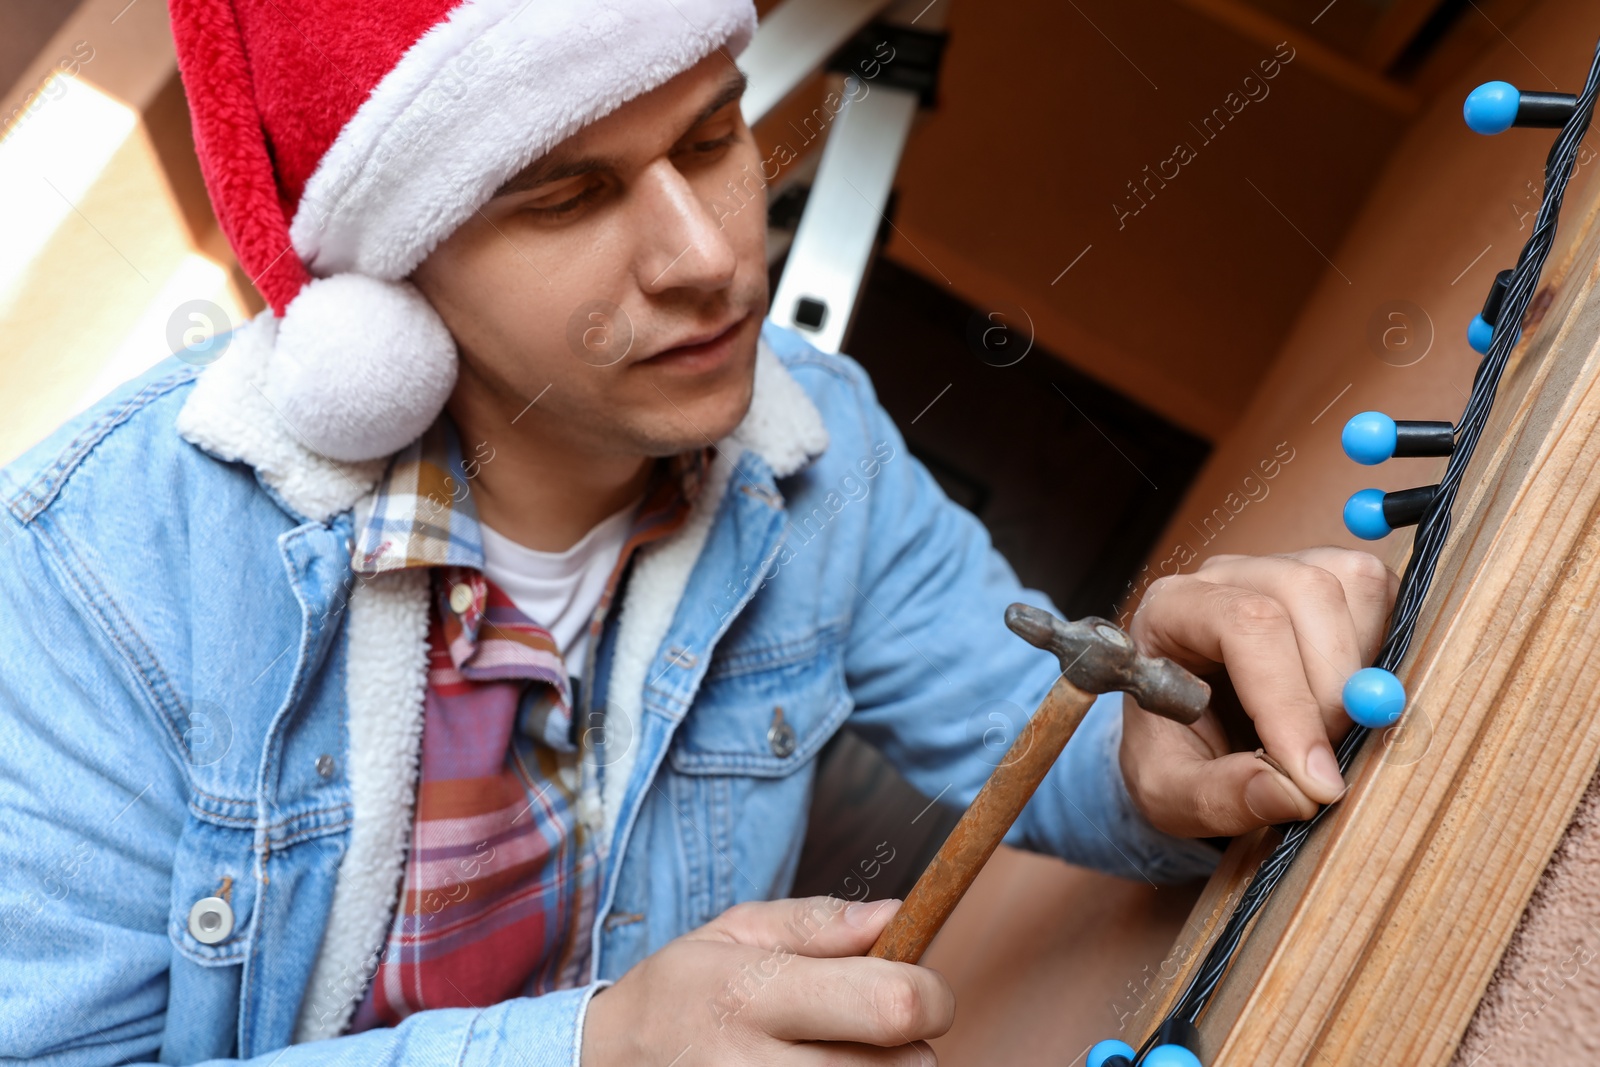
[229,415]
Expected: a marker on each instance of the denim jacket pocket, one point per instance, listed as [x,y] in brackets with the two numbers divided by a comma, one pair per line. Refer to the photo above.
[213,889]
[742,766]
[764,715]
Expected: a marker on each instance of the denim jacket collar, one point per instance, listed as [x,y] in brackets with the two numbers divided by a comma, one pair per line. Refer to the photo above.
[229,416]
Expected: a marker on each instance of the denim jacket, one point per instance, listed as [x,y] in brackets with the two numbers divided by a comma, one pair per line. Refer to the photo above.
[209,729]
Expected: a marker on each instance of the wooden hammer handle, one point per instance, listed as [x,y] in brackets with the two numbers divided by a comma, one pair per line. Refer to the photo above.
[978,833]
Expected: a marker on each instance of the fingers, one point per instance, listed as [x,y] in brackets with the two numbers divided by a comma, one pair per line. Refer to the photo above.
[1290,630]
[1369,589]
[865,1000]
[774,982]
[1312,603]
[808,926]
[1189,791]
[844,1054]
[1255,637]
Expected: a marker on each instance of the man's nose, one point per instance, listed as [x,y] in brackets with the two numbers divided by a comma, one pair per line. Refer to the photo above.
[680,242]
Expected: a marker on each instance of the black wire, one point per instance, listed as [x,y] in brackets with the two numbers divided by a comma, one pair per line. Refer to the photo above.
[1432,531]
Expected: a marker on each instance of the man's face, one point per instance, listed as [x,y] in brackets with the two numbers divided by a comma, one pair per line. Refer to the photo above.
[581,280]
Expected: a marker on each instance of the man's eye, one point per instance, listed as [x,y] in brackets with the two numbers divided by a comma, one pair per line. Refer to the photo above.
[568,206]
[706,147]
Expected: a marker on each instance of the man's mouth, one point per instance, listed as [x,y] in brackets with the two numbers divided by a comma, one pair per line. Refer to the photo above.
[701,351]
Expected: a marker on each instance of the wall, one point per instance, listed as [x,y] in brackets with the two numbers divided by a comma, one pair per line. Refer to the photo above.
[1048,112]
[109,236]
[1450,210]
[29,24]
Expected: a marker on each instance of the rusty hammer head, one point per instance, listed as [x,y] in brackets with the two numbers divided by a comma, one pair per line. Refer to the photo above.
[1098,657]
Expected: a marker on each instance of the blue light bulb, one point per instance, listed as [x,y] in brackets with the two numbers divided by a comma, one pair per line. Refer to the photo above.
[1369,438]
[1104,1050]
[1480,335]
[1171,1056]
[1363,515]
[1492,107]
[1374,698]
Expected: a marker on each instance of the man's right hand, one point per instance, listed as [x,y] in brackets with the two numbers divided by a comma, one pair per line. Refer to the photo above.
[778,983]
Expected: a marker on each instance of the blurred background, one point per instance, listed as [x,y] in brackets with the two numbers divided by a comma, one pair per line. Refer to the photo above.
[1216,229]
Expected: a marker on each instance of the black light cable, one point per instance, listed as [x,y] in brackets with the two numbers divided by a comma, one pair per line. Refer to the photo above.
[1433,529]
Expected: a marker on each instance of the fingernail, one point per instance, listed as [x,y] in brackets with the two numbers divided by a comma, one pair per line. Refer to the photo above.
[1324,770]
[862,912]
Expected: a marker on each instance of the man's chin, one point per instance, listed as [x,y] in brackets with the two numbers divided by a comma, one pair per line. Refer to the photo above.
[687,419]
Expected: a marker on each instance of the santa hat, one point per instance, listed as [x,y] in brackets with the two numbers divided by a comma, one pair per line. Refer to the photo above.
[341,141]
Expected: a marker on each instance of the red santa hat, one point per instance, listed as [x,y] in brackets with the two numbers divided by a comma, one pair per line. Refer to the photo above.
[341,141]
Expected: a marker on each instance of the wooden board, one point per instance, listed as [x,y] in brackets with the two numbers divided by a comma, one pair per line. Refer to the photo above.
[1379,943]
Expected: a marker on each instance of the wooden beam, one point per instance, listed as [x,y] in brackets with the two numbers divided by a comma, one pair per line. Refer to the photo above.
[1395,30]
[1378,945]
[1101,358]
[1258,26]
[1479,30]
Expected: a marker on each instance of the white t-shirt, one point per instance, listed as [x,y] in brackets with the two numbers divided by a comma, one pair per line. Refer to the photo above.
[559,590]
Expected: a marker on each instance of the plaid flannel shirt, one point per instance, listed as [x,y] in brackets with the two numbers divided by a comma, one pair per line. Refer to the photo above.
[500,881]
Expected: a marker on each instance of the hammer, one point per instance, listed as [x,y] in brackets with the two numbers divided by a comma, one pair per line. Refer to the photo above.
[1096,657]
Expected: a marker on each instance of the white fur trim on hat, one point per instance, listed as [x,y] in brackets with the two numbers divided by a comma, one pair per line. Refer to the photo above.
[477,98]
[361,367]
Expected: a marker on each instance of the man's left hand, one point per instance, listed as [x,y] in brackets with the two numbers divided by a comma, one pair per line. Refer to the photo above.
[1277,637]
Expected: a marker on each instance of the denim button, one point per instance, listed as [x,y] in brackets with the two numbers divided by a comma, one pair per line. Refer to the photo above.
[326,765]
[460,597]
[210,920]
[780,735]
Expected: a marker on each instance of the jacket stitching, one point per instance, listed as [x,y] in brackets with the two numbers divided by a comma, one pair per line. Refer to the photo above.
[312,832]
[48,482]
[112,613]
[715,763]
[252,822]
[472,1024]
[76,577]
[148,666]
[818,644]
[220,799]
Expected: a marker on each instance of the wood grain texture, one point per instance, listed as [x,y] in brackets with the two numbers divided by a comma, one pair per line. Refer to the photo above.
[978,832]
[1379,943]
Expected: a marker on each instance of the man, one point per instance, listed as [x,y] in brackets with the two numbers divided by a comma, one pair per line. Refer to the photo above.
[436,676]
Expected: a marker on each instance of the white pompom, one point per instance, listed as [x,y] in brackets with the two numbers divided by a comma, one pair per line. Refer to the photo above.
[361,367]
